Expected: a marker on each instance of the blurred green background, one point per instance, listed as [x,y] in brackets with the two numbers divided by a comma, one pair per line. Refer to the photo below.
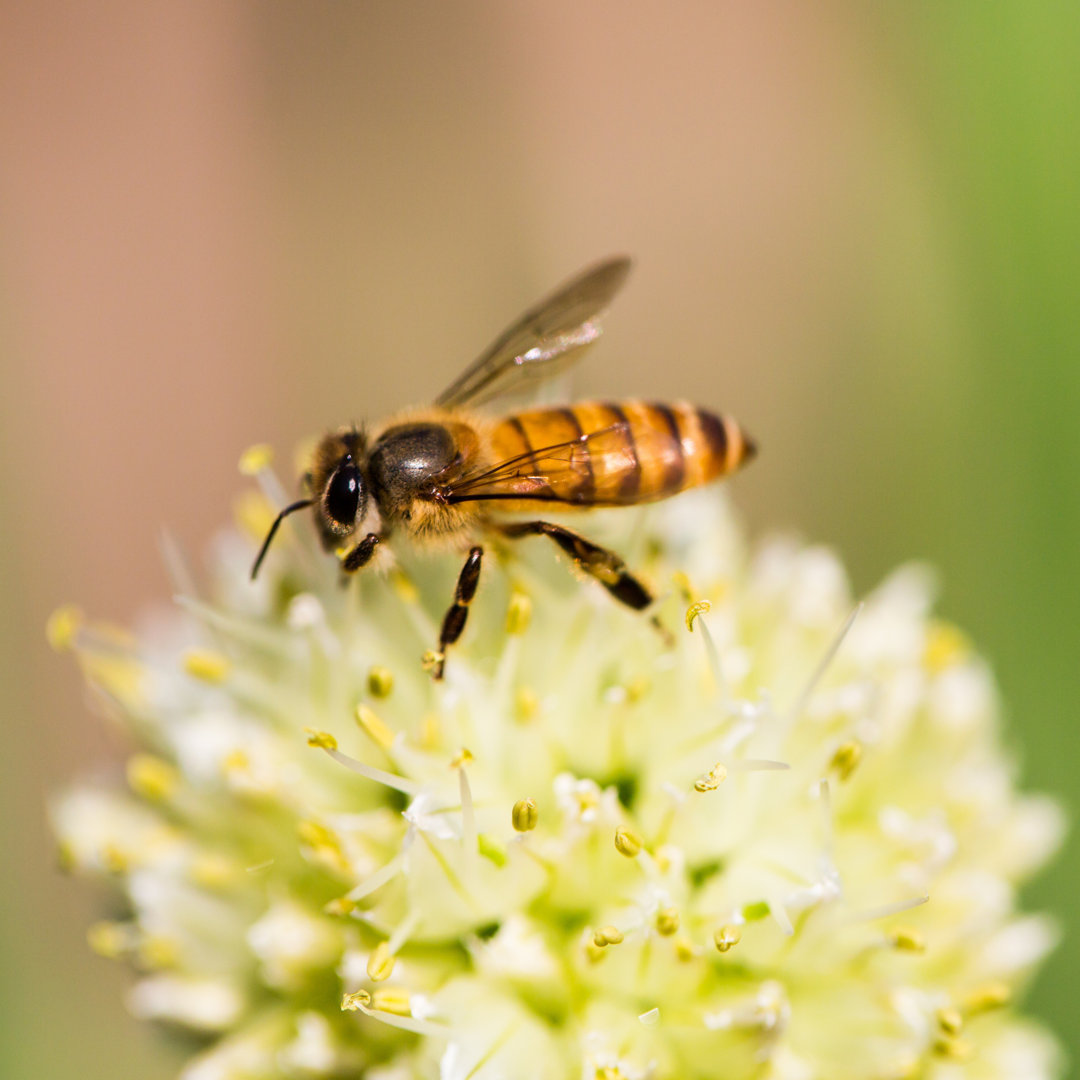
[857,227]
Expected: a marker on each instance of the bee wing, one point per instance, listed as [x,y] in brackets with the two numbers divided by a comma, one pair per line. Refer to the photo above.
[562,472]
[555,329]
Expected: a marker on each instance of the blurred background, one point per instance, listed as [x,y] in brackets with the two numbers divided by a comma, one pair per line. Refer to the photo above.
[857,228]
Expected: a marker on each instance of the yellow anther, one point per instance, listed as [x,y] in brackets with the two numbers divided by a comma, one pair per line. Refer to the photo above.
[682,583]
[374,727]
[206,665]
[491,849]
[667,921]
[526,704]
[953,1049]
[256,458]
[464,757]
[685,949]
[211,871]
[401,584]
[380,681]
[322,739]
[63,627]
[340,905]
[116,860]
[152,777]
[359,1000]
[431,732]
[235,761]
[156,952]
[607,935]
[907,939]
[945,646]
[701,607]
[711,780]
[628,843]
[847,756]
[380,963]
[992,995]
[322,845]
[524,815]
[110,939]
[392,999]
[610,1072]
[727,937]
[949,1020]
[518,613]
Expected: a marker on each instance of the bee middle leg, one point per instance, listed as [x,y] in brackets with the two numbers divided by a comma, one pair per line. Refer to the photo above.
[600,563]
[454,621]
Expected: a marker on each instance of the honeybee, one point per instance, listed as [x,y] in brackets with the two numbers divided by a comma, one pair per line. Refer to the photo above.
[447,474]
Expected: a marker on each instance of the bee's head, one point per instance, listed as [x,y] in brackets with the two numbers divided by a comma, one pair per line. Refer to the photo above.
[338,486]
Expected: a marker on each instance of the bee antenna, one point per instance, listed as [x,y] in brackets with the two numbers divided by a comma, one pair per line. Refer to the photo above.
[291,508]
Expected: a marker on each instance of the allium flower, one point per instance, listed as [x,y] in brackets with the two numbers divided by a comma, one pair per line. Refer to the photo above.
[784,846]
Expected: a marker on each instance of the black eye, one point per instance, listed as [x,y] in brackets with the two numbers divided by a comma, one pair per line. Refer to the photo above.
[343,494]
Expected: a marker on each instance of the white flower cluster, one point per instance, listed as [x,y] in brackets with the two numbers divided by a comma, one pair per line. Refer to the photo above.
[784,846]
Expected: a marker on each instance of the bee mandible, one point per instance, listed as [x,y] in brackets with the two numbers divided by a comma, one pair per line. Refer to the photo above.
[446,475]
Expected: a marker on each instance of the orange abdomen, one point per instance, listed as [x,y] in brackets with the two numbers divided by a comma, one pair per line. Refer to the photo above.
[624,452]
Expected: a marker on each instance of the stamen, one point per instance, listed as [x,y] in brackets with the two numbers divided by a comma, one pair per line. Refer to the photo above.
[380,776]
[524,815]
[873,914]
[491,850]
[207,665]
[393,1007]
[727,937]
[847,756]
[607,935]
[63,627]
[152,777]
[380,965]
[711,780]
[256,458]
[701,607]
[949,1020]
[823,665]
[378,879]
[628,843]
[526,704]
[712,654]
[907,939]
[468,812]
[518,613]
[380,682]
[667,921]
[322,739]
[374,727]
[993,995]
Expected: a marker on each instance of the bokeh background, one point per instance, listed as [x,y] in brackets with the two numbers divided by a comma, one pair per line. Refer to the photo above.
[857,227]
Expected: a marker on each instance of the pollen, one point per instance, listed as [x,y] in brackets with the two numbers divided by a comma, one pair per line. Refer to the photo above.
[727,937]
[667,921]
[524,815]
[628,843]
[321,739]
[907,939]
[607,935]
[711,780]
[518,613]
[847,756]
[701,607]
[380,965]
[945,646]
[152,777]
[206,665]
[374,727]
[256,458]
[380,681]
[991,995]
[63,627]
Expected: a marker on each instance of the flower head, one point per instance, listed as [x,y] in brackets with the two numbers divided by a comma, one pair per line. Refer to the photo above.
[785,845]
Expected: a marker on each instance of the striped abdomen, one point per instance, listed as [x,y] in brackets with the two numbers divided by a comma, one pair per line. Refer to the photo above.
[619,453]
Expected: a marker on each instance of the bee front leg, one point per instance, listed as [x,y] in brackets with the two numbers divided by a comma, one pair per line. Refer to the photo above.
[454,621]
[361,554]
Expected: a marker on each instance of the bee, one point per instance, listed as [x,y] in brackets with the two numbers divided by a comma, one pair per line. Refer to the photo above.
[448,474]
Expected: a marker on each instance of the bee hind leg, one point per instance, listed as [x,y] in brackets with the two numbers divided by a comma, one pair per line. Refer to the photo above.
[598,562]
[456,616]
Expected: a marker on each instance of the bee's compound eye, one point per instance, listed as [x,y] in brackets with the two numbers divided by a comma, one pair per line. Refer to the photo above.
[343,494]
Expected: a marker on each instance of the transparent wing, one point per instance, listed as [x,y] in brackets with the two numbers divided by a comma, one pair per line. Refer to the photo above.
[562,472]
[544,340]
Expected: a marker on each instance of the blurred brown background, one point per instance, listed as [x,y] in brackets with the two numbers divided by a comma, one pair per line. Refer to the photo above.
[856,228]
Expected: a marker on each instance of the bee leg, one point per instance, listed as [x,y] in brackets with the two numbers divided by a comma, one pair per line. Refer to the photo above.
[361,554]
[454,621]
[600,563]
